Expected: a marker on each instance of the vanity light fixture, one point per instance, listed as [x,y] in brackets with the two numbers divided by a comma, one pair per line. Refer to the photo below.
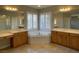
[11,9]
[64,9]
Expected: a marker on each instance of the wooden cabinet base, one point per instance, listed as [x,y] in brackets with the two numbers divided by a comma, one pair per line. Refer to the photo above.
[70,40]
[53,37]
[74,41]
[19,39]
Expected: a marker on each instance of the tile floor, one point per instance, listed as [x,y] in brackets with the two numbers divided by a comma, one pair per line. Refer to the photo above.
[52,48]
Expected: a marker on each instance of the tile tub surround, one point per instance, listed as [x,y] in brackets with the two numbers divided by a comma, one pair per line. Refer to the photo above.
[39,40]
[39,37]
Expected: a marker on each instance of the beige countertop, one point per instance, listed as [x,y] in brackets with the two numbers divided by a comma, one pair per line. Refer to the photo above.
[17,30]
[66,30]
[5,33]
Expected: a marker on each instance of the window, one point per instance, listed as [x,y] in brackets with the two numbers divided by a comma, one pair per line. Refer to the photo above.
[29,21]
[42,25]
[35,23]
[45,19]
[32,21]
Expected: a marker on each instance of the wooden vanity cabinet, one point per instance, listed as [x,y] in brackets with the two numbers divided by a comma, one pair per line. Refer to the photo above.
[74,41]
[54,37]
[19,38]
[60,38]
[63,38]
[66,39]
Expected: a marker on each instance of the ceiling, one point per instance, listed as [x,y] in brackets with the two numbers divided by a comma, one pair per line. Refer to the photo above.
[41,6]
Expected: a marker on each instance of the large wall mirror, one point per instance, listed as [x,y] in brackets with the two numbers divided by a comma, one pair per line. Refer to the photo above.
[74,21]
[11,20]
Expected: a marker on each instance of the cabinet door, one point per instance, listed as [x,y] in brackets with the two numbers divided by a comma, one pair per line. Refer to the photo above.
[16,40]
[24,37]
[19,39]
[59,37]
[74,41]
[54,37]
[62,38]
